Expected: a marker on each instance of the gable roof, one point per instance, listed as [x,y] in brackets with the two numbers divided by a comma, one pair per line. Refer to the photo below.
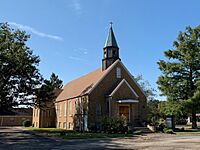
[84,84]
[120,84]
[110,68]
[87,83]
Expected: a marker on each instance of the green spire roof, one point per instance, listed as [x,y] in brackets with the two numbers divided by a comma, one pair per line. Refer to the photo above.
[111,41]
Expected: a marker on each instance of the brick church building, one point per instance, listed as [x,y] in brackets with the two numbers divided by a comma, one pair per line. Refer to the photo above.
[108,91]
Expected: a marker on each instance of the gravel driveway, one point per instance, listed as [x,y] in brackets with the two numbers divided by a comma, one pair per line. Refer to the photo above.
[12,138]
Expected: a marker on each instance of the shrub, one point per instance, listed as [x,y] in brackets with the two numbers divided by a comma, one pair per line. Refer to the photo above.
[115,125]
[26,123]
[160,127]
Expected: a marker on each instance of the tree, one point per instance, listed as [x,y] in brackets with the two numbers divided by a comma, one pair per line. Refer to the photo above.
[175,108]
[47,92]
[145,85]
[19,75]
[194,101]
[180,71]
[153,113]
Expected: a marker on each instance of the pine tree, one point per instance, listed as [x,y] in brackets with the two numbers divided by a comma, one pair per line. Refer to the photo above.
[181,70]
[46,92]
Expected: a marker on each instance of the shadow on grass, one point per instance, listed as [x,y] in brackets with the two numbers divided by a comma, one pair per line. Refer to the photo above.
[66,134]
[30,139]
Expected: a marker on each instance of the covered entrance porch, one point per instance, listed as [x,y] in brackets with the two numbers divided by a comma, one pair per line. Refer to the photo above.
[127,108]
[124,101]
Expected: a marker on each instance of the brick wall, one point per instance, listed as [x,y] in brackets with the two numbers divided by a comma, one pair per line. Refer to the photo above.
[98,95]
[43,118]
[13,120]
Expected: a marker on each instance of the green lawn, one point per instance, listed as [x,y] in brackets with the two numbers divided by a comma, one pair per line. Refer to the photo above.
[47,130]
[54,132]
[188,131]
[93,135]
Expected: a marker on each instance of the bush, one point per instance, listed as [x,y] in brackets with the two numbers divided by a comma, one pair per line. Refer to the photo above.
[115,125]
[26,123]
[160,127]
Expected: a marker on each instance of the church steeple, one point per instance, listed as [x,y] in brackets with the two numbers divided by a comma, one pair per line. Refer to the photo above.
[110,50]
[111,41]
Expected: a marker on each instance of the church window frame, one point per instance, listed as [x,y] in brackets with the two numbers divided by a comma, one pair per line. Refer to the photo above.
[105,54]
[77,106]
[57,109]
[109,53]
[64,125]
[65,109]
[70,108]
[60,110]
[70,125]
[118,73]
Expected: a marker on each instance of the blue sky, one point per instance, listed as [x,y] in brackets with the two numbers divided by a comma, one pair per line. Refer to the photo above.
[69,35]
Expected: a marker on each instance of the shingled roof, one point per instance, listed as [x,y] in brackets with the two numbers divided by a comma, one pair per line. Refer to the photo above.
[83,85]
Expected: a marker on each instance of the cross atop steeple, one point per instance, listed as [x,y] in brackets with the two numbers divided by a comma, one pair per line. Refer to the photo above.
[111,24]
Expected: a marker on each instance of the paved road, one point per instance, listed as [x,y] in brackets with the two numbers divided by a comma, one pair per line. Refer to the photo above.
[19,139]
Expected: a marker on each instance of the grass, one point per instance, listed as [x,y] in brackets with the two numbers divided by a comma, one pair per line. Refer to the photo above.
[55,132]
[188,131]
[78,135]
[47,130]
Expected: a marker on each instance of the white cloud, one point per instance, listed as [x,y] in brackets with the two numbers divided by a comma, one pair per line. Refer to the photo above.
[76,5]
[35,31]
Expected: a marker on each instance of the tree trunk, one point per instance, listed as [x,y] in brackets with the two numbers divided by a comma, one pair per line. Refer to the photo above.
[194,120]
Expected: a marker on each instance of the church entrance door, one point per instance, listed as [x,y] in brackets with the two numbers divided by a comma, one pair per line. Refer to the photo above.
[124,111]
